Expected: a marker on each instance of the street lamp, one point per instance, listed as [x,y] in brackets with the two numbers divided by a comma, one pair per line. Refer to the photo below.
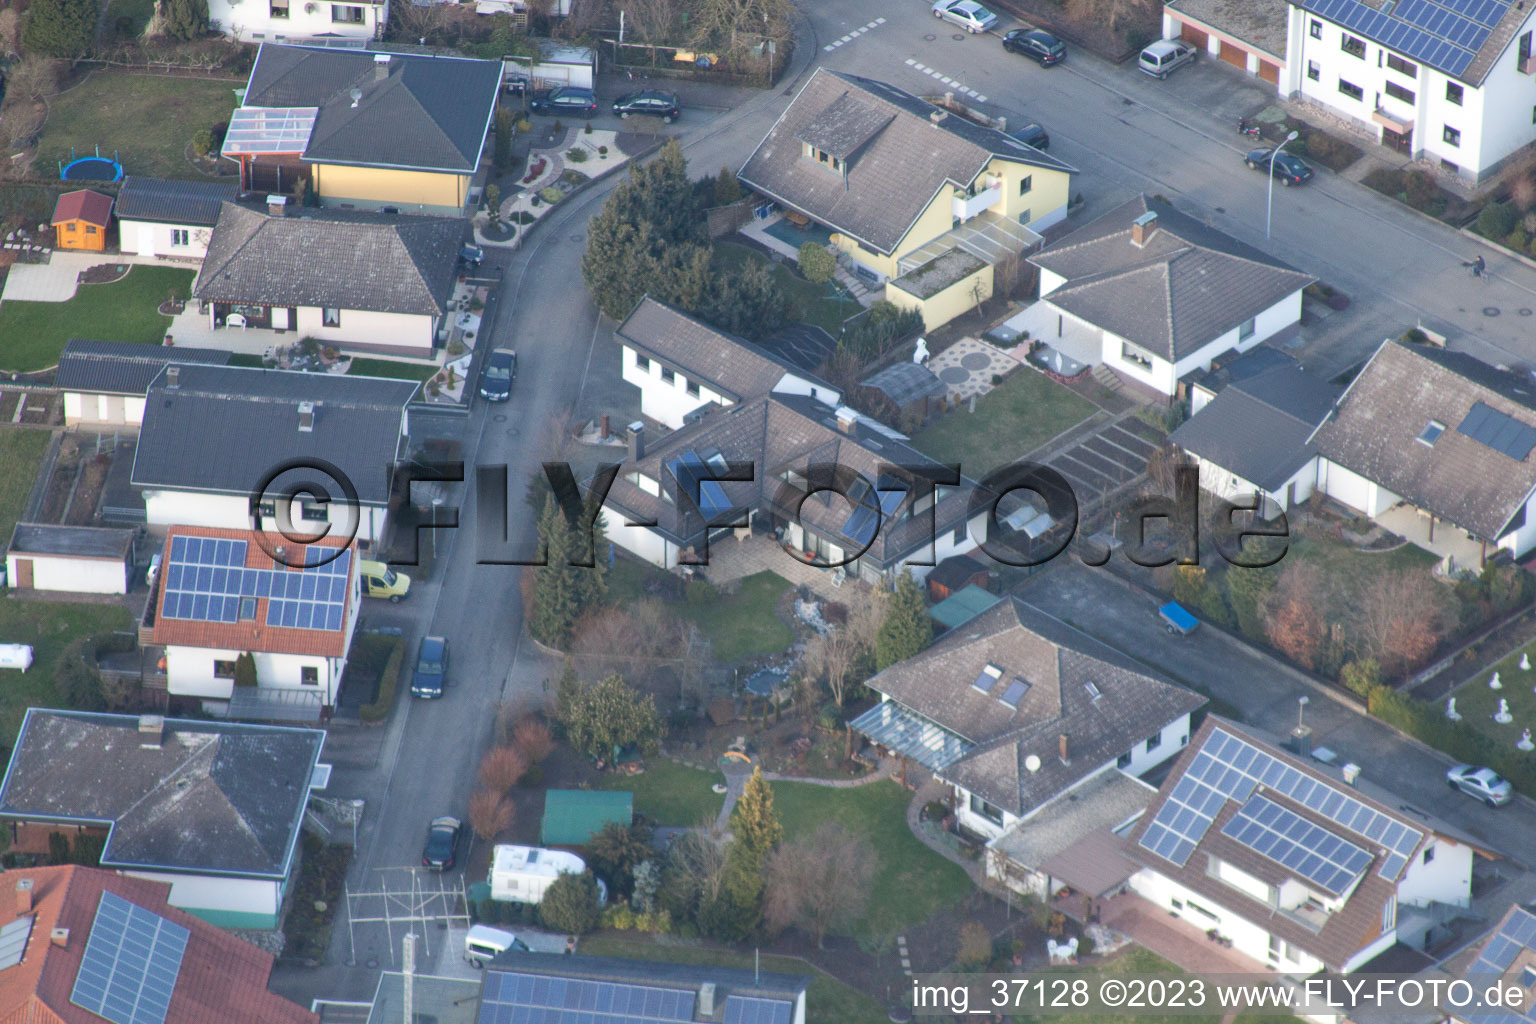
[1301,709]
[1270,205]
[437,503]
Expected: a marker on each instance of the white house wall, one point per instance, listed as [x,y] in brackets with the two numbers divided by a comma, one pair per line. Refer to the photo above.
[88,409]
[232,511]
[73,575]
[411,334]
[1145,756]
[1519,541]
[251,21]
[790,384]
[1050,281]
[1247,938]
[1225,484]
[1445,878]
[641,541]
[228,902]
[189,672]
[148,238]
[667,403]
[1350,488]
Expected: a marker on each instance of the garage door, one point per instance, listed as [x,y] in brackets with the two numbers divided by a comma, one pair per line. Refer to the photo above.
[1234,55]
[1193,36]
[1269,72]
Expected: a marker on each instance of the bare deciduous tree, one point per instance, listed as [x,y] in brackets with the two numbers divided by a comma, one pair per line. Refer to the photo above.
[834,656]
[1295,612]
[490,813]
[820,881]
[10,31]
[1400,620]
[736,24]
[502,767]
[532,737]
[653,20]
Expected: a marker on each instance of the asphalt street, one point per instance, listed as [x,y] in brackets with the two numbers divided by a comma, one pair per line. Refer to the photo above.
[1125,132]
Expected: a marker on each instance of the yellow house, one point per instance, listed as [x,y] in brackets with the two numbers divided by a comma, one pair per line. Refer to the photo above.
[367,130]
[901,182]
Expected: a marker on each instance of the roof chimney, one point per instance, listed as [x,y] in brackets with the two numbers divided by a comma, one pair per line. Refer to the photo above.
[173,376]
[380,66]
[636,441]
[938,116]
[151,731]
[1143,228]
[59,937]
[23,896]
[306,417]
[706,1007]
[847,419]
[1064,758]
[277,206]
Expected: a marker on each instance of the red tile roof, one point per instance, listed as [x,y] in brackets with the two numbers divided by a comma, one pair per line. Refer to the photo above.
[91,207]
[222,978]
[254,635]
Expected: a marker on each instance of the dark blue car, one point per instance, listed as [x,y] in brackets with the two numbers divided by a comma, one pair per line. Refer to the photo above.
[431,668]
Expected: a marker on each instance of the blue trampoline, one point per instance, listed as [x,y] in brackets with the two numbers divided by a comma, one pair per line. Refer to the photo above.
[91,168]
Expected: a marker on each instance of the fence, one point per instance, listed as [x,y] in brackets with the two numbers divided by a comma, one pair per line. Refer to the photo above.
[759,70]
[725,220]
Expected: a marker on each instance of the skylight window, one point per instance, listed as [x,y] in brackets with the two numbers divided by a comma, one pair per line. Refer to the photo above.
[1015,692]
[987,679]
[1094,693]
[1431,432]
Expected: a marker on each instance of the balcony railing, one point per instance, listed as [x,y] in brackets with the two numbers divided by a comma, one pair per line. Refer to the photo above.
[965,207]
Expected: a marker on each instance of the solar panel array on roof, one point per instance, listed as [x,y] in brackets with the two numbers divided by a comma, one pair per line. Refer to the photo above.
[13,940]
[206,579]
[757,1010]
[1445,34]
[1227,768]
[1499,431]
[1292,841]
[512,997]
[1516,934]
[131,962]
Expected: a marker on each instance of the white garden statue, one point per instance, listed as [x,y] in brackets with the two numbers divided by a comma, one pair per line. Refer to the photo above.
[1502,716]
[1525,663]
[920,354]
[1525,741]
[1494,684]
[1450,709]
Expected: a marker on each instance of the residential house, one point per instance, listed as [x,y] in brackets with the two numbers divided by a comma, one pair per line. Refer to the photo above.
[1439,448]
[316,22]
[902,183]
[81,219]
[1506,957]
[105,382]
[213,434]
[160,217]
[552,989]
[680,364]
[224,594]
[368,130]
[1203,385]
[1248,34]
[1448,83]
[1253,437]
[355,281]
[86,945]
[75,559]
[1154,294]
[896,522]
[1300,866]
[215,809]
[1015,708]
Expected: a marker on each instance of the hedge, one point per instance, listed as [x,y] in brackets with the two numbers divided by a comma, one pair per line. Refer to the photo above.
[1427,723]
[388,680]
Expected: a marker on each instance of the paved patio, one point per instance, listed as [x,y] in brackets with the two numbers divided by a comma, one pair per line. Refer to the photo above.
[1170,937]
[737,559]
[1450,542]
[57,280]
[1073,339]
[968,366]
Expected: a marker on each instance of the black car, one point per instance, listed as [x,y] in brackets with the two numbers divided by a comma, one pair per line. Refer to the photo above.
[1291,170]
[1032,135]
[1036,45]
[497,377]
[650,103]
[442,843]
[568,99]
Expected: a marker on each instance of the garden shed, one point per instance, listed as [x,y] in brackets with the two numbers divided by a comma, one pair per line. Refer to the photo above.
[76,559]
[573,816]
[80,220]
[962,607]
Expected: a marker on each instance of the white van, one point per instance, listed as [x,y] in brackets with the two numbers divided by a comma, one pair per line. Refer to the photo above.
[1161,58]
[485,943]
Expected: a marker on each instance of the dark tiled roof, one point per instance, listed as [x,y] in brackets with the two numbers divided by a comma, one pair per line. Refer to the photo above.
[427,113]
[374,262]
[898,159]
[224,428]
[1259,23]
[1258,428]
[1230,367]
[91,207]
[803,346]
[686,344]
[1186,287]
[906,382]
[77,541]
[728,980]
[213,798]
[955,571]
[173,202]
[1375,429]
[122,367]
[1057,661]
[1353,927]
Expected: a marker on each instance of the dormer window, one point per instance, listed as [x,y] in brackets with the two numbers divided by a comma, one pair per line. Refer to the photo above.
[821,156]
[1431,432]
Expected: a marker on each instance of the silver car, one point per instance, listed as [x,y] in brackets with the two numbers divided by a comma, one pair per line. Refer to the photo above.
[1484,783]
[968,14]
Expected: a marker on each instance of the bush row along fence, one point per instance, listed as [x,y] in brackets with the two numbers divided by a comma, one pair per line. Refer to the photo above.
[755,71]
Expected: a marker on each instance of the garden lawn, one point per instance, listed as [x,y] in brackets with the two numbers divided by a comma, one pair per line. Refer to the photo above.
[827,1001]
[670,794]
[149,120]
[1350,568]
[1013,419]
[21,455]
[817,303]
[48,627]
[742,624]
[1137,961]
[390,368]
[1476,703]
[125,310]
[912,882]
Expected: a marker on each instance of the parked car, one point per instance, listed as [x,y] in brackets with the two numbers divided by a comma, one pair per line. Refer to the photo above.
[471,255]
[431,674]
[1291,170]
[568,99]
[968,14]
[1032,134]
[379,580]
[442,843]
[499,373]
[1036,45]
[486,943]
[1485,784]
[153,572]
[649,102]
[1163,57]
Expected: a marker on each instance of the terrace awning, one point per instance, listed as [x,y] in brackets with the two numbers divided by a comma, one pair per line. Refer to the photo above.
[269,130]
[908,733]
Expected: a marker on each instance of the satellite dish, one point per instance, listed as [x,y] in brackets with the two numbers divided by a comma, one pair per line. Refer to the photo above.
[1032,763]
[356,94]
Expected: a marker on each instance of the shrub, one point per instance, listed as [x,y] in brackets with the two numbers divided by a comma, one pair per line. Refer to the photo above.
[576,155]
[1137,38]
[701,592]
[816,264]
[202,142]
[602,150]
[559,127]
[1361,676]
[831,717]
[388,679]
[1414,336]
[551,195]
[1496,220]
[588,129]
[570,904]
[1420,189]
[78,678]
[1517,240]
